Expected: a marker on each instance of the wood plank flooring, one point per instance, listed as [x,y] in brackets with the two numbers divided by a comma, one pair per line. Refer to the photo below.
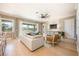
[64,48]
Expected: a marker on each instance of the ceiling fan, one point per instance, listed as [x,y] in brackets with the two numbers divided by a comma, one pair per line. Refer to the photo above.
[42,15]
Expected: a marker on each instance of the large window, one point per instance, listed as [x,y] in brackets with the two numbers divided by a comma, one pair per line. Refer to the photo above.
[29,27]
[6,26]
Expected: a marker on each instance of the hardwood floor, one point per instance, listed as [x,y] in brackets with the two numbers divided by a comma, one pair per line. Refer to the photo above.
[64,48]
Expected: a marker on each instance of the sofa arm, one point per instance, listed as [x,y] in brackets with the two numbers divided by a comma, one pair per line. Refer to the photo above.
[38,42]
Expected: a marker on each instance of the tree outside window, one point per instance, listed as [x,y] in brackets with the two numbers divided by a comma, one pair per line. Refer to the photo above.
[6,26]
[29,27]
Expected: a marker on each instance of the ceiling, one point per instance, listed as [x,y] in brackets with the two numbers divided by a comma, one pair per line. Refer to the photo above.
[28,11]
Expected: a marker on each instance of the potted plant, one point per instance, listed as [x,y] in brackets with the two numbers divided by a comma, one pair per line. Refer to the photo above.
[62,34]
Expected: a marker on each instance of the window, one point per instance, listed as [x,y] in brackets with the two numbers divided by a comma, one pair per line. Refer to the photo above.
[6,26]
[28,27]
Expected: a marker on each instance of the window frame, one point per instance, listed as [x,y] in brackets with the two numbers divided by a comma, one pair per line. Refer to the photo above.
[11,20]
[28,28]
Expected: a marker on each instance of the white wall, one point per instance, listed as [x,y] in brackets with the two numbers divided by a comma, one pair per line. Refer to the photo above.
[77,29]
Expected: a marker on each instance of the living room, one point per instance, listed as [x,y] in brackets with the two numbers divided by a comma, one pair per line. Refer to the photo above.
[32,27]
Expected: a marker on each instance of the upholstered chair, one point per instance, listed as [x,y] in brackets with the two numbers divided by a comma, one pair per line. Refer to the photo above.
[56,39]
[49,39]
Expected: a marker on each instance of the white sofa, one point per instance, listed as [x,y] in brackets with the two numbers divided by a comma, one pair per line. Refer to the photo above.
[32,42]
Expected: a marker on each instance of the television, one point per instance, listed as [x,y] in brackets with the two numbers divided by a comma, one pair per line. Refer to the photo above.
[53,26]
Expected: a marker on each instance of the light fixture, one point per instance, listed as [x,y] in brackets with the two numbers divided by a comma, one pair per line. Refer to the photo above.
[42,14]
